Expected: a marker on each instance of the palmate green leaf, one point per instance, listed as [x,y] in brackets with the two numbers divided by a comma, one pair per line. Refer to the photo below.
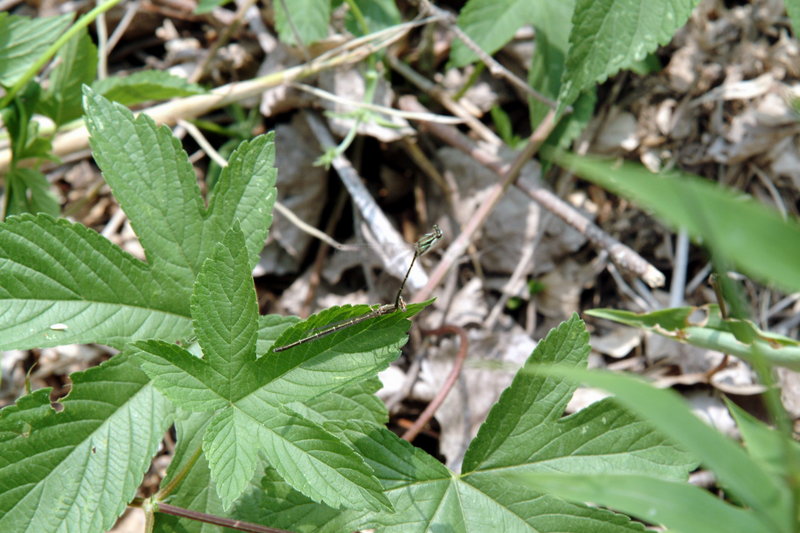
[309,17]
[737,472]
[145,86]
[76,65]
[681,507]
[75,470]
[739,230]
[249,395]
[609,35]
[23,40]
[61,283]
[524,433]
[738,337]
[196,491]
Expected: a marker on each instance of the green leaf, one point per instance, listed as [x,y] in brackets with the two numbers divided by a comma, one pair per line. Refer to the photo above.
[249,395]
[709,330]
[53,273]
[196,492]
[378,15]
[145,86]
[778,454]
[769,497]
[681,507]
[310,19]
[22,41]
[761,248]
[491,24]
[29,192]
[609,35]
[524,433]
[76,65]
[427,497]
[80,466]
[23,129]
[62,283]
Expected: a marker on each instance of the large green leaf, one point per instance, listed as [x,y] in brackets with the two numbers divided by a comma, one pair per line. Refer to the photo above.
[62,283]
[251,396]
[76,470]
[609,35]
[524,433]
[741,231]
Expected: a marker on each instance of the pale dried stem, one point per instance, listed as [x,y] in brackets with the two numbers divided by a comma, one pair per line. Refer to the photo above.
[193,106]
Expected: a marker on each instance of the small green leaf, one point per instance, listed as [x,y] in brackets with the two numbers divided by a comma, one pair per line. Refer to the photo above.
[145,86]
[491,24]
[29,192]
[23,40]
[609,35]
[80,466]
[378,15]
[309,17]
[77,65]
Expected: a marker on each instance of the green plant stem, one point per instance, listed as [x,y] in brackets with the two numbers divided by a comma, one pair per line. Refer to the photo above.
[359,16]
[779,417]
[51,51]
[179,477]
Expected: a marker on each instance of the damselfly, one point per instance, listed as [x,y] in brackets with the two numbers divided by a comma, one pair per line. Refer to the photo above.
[422,246]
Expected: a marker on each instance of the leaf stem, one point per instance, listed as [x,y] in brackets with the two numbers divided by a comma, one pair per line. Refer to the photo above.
[239,525]
[179,477]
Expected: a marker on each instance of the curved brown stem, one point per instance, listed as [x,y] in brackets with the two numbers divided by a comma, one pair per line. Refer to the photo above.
[429,411]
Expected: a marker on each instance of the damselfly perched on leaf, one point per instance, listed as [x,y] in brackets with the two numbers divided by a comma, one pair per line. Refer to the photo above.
[422,246]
